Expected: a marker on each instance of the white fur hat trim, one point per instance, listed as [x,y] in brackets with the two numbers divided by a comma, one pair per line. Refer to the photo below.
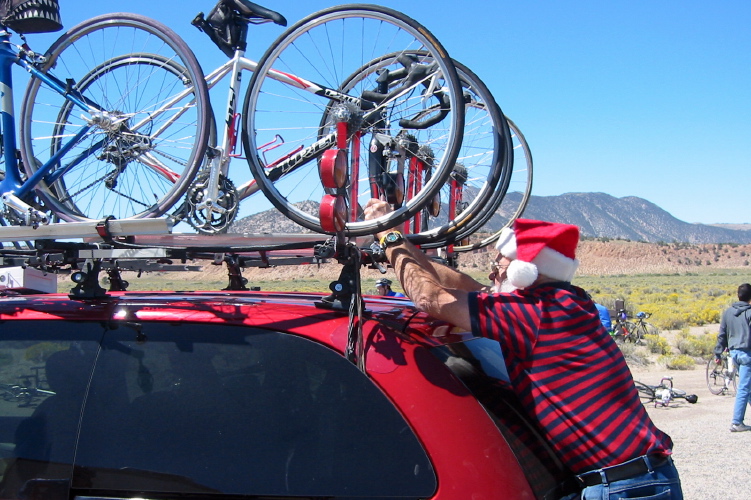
[506,243]
[521,274]
[548,262]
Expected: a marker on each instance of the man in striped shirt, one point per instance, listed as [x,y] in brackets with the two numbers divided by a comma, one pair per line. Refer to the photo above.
[565,368]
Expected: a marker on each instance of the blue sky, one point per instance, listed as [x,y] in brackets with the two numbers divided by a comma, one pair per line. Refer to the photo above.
[637,98]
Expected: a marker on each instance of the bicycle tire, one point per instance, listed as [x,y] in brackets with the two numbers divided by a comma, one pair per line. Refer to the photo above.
[715,375]
[678,393]
[646,393]
[633,334]
[140,159]
[507,205]
[274,107]
[620,333]
[650,329]
[486,158]
[483,166]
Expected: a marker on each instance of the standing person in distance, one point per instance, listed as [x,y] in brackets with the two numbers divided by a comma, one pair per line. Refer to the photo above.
[570,376]
[735,335]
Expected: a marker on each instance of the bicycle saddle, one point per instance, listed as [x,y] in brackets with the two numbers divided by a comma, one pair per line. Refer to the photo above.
[251,10]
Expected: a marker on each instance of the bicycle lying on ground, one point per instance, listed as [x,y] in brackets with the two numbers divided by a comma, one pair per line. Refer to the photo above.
[22,395]
[722,377]
[662,394]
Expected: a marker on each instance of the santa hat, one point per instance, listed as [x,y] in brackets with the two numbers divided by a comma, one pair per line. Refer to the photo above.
[539,248]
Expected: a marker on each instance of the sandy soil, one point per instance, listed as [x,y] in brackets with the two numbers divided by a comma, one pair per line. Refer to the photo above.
[708,456]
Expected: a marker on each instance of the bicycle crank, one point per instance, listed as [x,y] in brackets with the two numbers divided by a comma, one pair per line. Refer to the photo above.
[211,216]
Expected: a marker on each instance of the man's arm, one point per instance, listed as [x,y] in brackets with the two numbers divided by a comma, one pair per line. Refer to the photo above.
[451,278]
[421,282]
[435,289]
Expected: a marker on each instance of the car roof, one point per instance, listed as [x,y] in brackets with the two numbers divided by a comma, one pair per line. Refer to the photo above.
[294,312]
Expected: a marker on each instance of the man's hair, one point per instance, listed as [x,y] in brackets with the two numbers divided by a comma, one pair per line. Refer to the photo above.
[744,292]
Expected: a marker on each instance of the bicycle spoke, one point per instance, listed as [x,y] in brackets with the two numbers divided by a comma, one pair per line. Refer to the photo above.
[328,48]
[149,118]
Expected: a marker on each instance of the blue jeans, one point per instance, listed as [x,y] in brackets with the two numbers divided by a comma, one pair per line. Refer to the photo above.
[662,483]
[742,359]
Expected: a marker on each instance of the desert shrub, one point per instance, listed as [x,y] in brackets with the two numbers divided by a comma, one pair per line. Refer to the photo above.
[635,356]
[679,362]
[697,346]
[657,344]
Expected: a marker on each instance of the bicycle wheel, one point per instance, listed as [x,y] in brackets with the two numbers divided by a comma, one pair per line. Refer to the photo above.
[620,333]
[635,332]
[149,109]
[649,329]
[507,205]
[482,171]
[718,381]
[483,163]
[385,111]
[646,393]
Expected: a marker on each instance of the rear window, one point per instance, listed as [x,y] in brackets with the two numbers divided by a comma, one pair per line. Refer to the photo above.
[195,408]
[479,364]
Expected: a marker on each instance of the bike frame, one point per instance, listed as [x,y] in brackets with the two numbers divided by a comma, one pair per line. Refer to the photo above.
[13,188]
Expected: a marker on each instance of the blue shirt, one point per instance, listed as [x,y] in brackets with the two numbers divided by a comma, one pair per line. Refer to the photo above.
[604,316]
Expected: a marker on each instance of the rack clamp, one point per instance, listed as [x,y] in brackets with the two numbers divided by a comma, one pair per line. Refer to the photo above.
[234,271]
[346,289]
[117,283]
[87,282]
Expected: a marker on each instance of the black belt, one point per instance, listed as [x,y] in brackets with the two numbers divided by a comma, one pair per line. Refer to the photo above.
[634,467]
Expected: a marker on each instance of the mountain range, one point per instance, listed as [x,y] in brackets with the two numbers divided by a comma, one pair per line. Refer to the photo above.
[598,215]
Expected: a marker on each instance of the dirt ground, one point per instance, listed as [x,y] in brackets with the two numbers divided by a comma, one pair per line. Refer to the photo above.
[708,456]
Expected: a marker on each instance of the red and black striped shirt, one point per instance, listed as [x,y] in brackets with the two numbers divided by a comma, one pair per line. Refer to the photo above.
[569,374]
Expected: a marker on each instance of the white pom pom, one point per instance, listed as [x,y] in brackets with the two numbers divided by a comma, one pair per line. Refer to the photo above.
[521,274]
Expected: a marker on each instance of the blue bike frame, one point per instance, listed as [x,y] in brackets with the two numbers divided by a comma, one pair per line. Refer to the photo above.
[13,188]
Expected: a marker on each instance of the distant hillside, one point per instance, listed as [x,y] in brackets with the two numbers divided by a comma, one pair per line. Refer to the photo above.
[605,216]
[598,215]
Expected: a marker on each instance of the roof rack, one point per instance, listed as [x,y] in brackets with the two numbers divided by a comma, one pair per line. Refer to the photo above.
[87,248]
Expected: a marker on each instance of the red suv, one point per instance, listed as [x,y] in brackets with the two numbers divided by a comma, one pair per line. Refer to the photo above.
[239,395]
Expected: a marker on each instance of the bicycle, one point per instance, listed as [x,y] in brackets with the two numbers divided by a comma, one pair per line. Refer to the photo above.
[662,394]
[401,161]
[722,377]
[623,330]
[638,330]
[22,395]
[84,191]
[97,140]
[509,205]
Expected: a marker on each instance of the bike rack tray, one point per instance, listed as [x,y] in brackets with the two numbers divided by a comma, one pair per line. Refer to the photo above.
[65,230]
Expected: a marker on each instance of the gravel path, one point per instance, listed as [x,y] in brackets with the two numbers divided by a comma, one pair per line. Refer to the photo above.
[712,461]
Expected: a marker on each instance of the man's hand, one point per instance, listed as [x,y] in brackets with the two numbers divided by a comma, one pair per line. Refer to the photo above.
[377,208]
